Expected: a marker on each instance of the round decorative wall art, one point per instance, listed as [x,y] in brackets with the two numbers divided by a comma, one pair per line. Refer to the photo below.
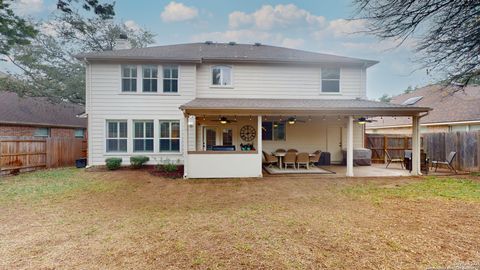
[247,133]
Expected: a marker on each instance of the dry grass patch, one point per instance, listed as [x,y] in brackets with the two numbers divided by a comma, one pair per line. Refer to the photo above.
[130,219]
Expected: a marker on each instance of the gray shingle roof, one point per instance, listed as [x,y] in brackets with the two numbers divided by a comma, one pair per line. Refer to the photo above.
[333,105]
[202,52]
[449,104]
[39,111]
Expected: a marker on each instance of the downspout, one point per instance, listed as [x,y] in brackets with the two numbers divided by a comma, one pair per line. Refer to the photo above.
[185,145]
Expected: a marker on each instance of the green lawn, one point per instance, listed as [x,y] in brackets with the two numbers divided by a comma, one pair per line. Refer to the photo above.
[430,188]
[70,218]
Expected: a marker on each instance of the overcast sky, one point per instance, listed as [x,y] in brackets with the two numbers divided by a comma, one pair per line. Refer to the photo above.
[318,26]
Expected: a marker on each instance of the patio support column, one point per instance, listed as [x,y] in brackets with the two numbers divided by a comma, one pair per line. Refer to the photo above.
[259,143]
[416,145]
[184,145]
[350,147]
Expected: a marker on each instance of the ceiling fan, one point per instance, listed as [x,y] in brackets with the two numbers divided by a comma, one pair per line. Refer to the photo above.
[224,120]
[293,120]
[363,120]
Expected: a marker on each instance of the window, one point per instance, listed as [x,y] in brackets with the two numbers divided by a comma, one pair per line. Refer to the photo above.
[331,80]
[222,76]
[116,136]
[273,131]
[170,79]
[227,136]
[129,78]
[169,136]
[150,74]
[79,133]
[42,132]
[143,136]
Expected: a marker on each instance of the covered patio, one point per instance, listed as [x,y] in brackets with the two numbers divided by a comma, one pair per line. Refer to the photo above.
[227,138]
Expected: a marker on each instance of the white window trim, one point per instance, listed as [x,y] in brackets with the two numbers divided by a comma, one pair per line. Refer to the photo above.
[272,139]
[149,78]
[159,81]
[170,135]
[340,92]
[83,133]
[106,137]
[231,85]
[49,132]
[121,79]
[178,79]
[142,138]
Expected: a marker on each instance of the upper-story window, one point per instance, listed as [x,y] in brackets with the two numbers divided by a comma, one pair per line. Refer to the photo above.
[170,79]
[331,80]
[129,78]
[150,75]
[222,76]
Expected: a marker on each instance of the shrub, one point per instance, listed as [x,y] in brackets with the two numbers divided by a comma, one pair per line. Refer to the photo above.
[138,161]
[170,166]
[113,163]
[166,166]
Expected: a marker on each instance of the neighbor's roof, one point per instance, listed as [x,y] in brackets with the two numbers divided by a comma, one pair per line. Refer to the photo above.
[38,111]
[330,106]
[215,52]
[449,104]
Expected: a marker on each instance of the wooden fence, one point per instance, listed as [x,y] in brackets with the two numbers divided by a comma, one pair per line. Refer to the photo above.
[436,145]
[29,153]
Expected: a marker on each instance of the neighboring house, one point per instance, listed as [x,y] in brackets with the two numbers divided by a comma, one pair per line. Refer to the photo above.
[215,107]
[39,117]
[454,109]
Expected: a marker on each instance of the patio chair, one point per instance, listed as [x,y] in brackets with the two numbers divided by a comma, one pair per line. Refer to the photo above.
[303,160]
[290,159]
[270,159]
[280,150]
[391,160]
[447,162]
[316,158]
[292,150]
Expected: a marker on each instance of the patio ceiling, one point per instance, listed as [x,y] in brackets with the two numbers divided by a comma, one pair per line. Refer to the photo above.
[244,106]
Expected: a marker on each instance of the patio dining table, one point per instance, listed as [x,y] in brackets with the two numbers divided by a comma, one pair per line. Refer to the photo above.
[280,156]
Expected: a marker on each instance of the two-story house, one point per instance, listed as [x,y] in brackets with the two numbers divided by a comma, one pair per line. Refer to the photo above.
[215,107]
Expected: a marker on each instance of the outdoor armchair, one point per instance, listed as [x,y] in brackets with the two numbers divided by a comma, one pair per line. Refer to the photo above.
[447,162]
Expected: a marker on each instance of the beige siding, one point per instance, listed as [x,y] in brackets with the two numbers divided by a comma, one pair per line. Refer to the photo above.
[279,81]
[107,102]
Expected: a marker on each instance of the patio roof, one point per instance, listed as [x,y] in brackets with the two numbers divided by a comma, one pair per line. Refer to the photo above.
[245,106]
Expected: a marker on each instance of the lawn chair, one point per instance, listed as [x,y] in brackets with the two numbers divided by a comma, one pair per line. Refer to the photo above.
[303,160]
[447,162]
[290,159]
[391,160]
[270,159]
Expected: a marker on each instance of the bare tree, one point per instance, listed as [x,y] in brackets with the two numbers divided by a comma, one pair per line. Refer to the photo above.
[447,32]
